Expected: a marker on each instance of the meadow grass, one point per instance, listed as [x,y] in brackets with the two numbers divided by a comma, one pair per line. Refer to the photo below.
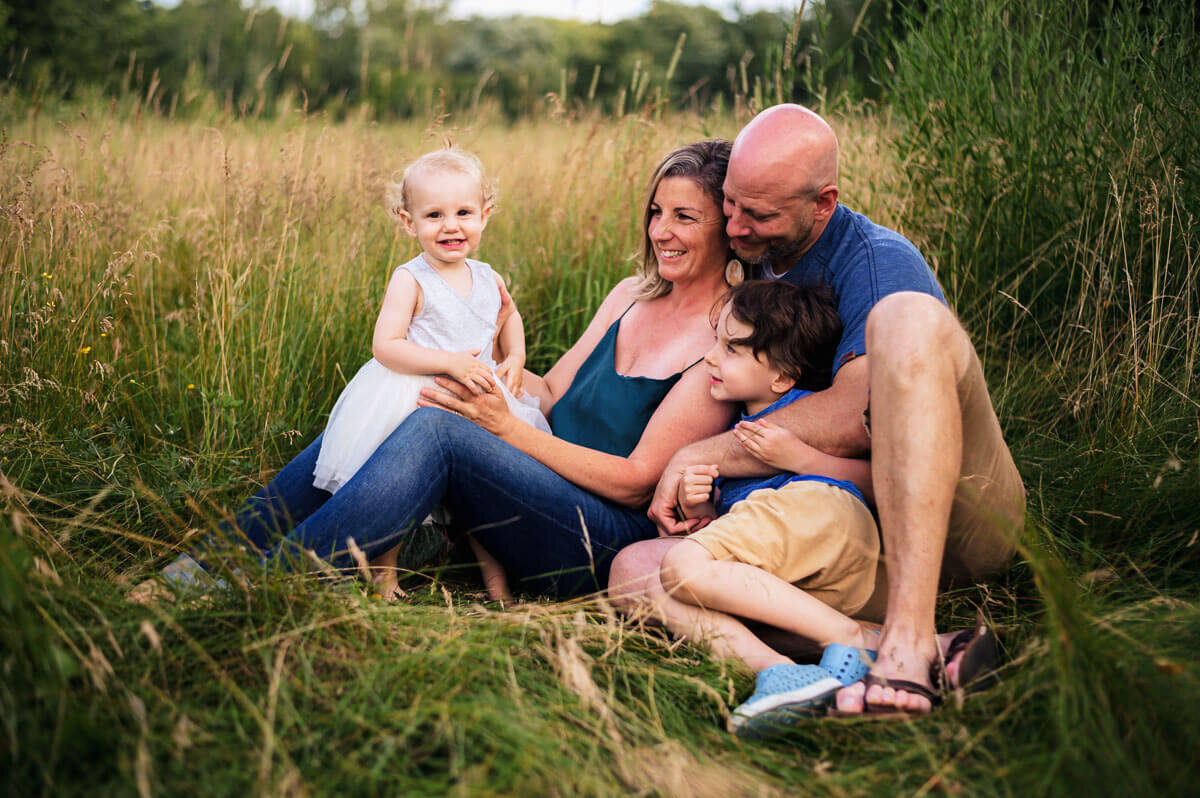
[182,300]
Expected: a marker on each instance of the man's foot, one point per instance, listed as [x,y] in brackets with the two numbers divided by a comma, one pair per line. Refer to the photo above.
[970,660]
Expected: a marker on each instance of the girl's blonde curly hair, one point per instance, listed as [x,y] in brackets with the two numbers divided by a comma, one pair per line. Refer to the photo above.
[447,159]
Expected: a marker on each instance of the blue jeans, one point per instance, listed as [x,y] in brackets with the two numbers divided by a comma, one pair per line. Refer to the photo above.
[552,537]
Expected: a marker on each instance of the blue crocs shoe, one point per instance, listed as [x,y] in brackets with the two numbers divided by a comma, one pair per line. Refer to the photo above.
[785,694]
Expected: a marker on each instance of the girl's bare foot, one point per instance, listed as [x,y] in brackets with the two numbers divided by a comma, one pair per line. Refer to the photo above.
[383,575]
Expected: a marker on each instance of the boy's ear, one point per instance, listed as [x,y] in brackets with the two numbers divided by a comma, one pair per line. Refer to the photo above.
[407,219]
[485,213]
[781,383]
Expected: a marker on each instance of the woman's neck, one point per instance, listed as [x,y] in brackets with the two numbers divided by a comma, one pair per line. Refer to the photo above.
[699,291]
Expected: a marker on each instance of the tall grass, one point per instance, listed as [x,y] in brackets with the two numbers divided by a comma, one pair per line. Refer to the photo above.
[181,302]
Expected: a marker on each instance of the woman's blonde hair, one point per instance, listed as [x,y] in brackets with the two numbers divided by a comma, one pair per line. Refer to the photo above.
[705,163]
[447,159]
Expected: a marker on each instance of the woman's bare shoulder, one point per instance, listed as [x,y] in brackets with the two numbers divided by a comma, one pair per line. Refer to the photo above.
[619,298]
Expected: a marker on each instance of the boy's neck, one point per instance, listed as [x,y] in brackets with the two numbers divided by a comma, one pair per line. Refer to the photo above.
[758,405]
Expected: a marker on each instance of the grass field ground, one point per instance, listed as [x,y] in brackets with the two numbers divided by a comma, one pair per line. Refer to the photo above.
[181,300]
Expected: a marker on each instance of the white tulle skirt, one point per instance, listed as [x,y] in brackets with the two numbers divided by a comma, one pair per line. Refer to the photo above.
[372,405]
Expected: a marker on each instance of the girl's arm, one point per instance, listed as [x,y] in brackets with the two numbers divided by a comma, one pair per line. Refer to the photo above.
[391,347]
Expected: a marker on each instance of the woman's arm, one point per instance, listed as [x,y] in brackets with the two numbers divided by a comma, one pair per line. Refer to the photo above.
[391,347]
[510,341]
[687,414]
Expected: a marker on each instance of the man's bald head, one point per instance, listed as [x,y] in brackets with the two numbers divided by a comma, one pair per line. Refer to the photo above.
[781,187]
[787,144]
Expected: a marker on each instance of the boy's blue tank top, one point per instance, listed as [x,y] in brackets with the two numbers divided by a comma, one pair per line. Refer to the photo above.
[604,410]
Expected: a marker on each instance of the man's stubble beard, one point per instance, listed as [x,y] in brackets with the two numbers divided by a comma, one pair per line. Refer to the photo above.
[781,255]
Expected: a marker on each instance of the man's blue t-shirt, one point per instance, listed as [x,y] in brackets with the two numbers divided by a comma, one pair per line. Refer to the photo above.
[732,491]
[863,262]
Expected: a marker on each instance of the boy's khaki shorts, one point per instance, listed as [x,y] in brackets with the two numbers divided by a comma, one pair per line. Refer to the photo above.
[815,535]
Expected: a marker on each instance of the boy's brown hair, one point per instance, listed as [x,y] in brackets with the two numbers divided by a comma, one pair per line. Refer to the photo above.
[796,327]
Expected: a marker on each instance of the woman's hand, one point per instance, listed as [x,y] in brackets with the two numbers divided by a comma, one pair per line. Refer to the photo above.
[487,409]
[773,445]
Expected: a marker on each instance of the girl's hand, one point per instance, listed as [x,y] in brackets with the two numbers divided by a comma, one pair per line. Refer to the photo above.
[470,371]
[773,445]
[512,371]
[487,409]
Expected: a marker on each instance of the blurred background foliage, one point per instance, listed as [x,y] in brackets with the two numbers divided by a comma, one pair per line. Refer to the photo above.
[404,58]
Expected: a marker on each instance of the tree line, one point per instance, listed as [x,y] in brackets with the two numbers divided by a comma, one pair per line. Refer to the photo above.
[402,58]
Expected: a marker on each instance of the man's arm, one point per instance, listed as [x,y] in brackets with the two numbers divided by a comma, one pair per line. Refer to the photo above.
[829,420]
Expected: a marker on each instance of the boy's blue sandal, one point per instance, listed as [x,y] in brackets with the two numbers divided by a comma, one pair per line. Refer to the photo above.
[785,694]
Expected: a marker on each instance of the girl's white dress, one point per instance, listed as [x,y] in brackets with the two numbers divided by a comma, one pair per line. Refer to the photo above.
[375,402]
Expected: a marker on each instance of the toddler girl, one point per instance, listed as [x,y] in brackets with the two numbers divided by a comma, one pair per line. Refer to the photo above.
[439,316]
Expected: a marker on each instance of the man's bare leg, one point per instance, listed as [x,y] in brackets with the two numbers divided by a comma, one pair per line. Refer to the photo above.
[919,357]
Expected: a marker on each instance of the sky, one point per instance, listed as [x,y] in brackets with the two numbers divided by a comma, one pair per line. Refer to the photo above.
[587,10]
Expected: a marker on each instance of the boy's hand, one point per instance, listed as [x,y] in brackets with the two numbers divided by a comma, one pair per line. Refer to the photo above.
[512,371]
[773,445]
[470,371]
[694,494]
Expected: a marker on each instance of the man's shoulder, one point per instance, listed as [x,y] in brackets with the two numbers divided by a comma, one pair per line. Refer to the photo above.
[856,237]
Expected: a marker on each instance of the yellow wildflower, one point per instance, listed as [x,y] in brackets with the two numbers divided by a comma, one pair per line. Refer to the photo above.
[85,350]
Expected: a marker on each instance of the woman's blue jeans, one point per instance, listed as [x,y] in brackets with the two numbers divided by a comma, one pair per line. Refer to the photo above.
[552,537]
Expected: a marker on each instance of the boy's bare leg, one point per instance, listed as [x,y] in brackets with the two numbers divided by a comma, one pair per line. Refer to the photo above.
[383,574]
[920,361]
[715,590]
[494,578]
[635,587]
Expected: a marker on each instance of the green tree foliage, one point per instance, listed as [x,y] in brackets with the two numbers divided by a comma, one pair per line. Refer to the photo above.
[403,57]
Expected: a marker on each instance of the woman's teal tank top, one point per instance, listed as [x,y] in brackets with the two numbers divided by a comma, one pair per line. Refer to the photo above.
[604,410]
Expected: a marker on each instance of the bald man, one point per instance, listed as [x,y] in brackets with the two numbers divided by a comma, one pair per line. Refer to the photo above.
[949,498]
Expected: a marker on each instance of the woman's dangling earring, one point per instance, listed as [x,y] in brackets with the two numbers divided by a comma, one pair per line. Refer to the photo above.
[734,273]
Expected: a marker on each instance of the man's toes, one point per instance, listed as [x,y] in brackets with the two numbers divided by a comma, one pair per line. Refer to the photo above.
[912,702]
[850,699]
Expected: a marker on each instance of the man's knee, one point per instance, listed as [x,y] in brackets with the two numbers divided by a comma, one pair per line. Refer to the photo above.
[912,325]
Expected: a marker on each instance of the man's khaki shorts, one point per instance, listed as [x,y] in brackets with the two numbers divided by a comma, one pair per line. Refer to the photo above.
[815,535]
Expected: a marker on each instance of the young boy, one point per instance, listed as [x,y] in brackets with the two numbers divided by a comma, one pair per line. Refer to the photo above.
[797,550]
